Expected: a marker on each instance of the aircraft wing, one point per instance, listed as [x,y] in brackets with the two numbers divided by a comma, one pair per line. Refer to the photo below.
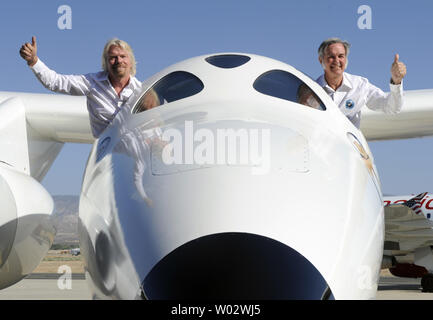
[414,120]
[51,117]
[34,128]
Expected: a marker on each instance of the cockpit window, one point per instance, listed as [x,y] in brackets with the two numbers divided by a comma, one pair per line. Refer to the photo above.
[228,61]
[284,85]
[174,86]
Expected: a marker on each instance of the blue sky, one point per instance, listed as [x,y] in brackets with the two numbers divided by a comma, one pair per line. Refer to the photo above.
[165,32]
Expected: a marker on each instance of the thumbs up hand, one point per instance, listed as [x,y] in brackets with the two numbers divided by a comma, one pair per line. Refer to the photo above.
[398,70]
[28,52]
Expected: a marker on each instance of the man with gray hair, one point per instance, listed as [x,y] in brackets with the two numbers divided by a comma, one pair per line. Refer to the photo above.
[350,92]
[107,91]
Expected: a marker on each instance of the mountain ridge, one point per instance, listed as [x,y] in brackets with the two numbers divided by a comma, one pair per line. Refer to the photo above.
[65,219]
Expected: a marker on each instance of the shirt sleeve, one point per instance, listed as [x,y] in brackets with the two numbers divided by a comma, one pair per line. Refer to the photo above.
[77,85]
[390,102]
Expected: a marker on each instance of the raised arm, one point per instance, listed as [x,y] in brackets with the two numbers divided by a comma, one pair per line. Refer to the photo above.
[391,102]
[77,85]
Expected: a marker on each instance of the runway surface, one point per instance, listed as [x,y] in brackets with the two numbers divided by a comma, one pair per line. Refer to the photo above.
[50,287]
[393,288]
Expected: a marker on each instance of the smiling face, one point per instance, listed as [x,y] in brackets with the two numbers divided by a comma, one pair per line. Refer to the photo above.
[334,60]
[118,62]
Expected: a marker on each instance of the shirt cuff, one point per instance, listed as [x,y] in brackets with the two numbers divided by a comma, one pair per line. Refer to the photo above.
[398,88]
[39,66]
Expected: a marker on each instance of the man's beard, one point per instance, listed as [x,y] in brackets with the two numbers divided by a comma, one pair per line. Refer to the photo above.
[120,70]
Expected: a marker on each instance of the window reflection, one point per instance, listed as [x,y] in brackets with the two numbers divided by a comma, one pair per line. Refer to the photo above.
[149,100]
[307,97]
[284,85]
[174,86]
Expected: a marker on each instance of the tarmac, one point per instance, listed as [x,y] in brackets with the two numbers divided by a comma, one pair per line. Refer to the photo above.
[51,287]
[48,287]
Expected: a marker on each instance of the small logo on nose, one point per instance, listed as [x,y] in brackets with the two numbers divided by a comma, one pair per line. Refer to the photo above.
[350,104]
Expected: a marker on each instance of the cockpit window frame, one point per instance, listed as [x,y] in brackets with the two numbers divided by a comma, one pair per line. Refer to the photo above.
[158,93]
[302,94]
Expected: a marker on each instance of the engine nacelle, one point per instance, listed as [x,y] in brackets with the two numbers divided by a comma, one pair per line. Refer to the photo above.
[26,154]
[26,229]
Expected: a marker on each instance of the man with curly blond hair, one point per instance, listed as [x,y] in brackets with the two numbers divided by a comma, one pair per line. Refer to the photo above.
[107,91]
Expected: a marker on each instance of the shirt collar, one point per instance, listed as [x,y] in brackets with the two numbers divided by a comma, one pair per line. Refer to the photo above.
[345,86]
[101,76]
[126,92]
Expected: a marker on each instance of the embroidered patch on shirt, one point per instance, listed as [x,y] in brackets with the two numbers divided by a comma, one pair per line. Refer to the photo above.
[350,104]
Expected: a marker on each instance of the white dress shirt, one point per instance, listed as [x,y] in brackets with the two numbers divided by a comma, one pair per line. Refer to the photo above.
[103,103]
[356,92]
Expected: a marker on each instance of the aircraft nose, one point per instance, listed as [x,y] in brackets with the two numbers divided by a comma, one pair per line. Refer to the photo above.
[235,266]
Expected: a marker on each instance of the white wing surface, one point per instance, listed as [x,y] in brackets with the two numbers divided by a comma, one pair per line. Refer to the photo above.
[414,120]
[34,128]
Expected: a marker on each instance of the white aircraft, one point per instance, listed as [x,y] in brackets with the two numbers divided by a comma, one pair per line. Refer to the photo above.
[229,176]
